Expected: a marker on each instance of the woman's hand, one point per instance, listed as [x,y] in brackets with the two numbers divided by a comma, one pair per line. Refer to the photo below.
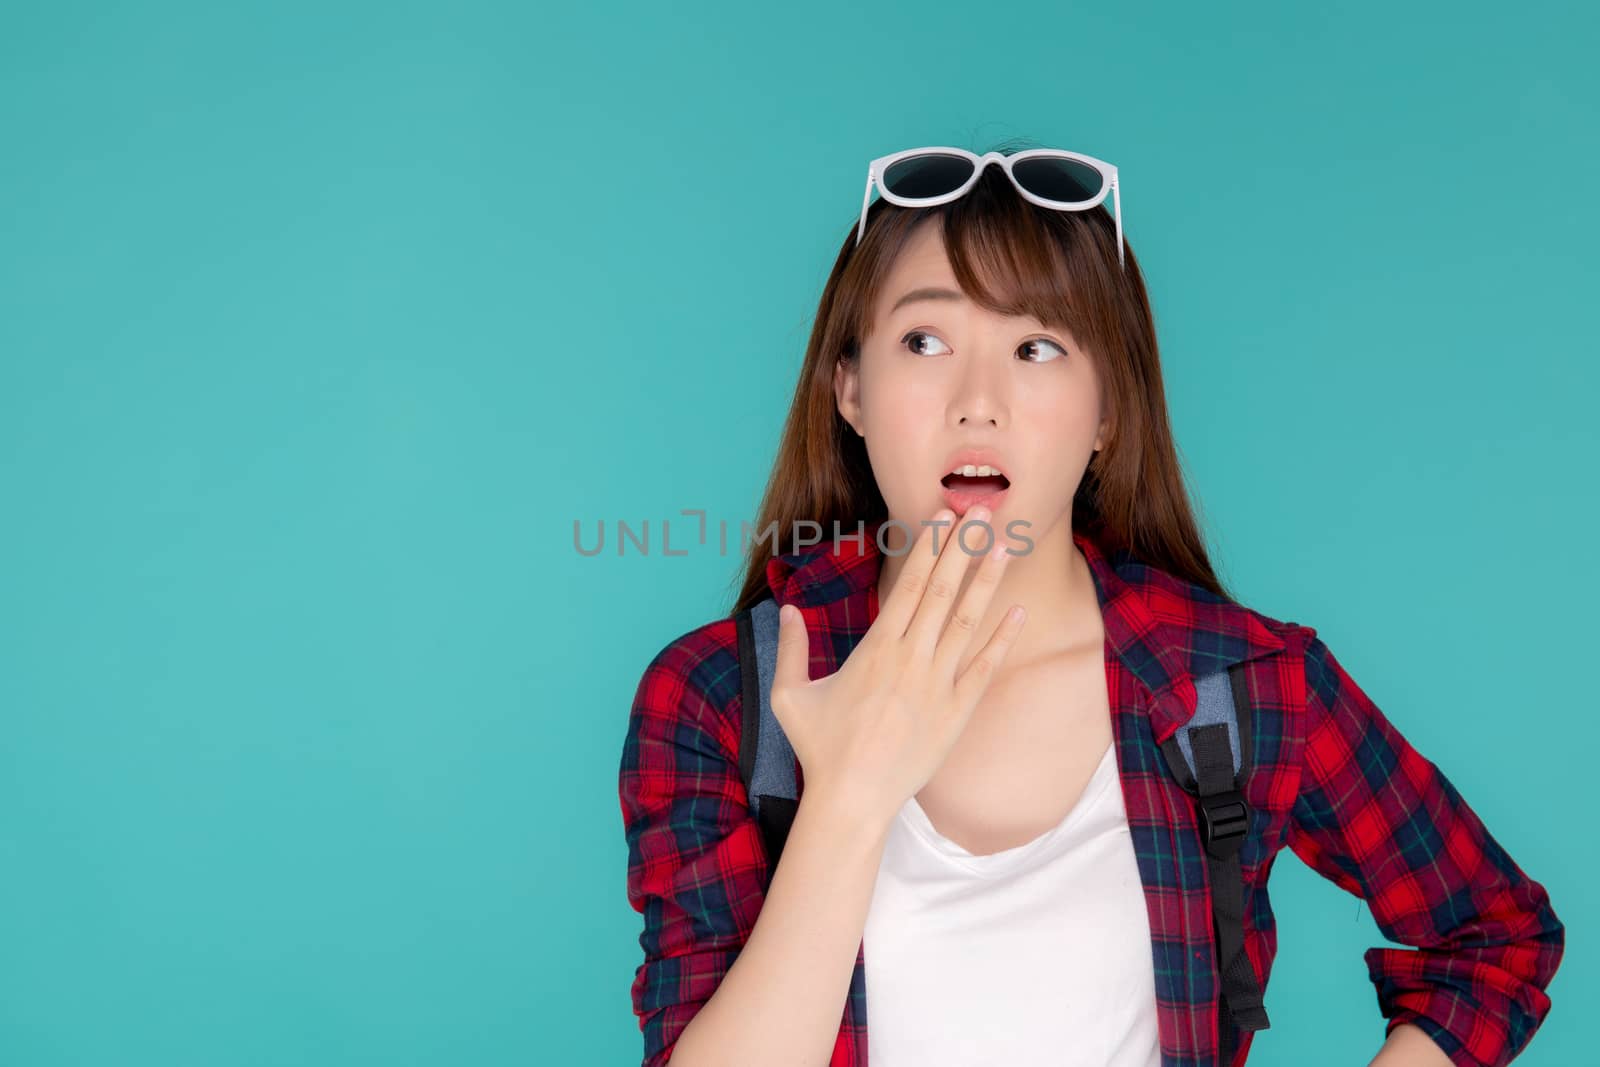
[879,728]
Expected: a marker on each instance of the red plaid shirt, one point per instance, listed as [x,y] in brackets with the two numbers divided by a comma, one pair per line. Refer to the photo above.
[1333,780]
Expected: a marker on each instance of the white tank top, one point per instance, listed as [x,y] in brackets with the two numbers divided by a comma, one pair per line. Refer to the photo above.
[1037,955]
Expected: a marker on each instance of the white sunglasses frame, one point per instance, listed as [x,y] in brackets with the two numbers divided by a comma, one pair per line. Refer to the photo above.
[877,168]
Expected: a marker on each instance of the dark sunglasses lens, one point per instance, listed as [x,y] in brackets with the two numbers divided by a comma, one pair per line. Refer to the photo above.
[931,174]
[1066,180]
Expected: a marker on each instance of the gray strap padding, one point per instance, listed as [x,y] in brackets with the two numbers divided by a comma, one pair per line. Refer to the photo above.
[774,767]
[1215,706]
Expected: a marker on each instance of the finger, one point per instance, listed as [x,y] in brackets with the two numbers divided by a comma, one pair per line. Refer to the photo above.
[975,679]
[894,615]
[927,623]
[794,649]
[957,636]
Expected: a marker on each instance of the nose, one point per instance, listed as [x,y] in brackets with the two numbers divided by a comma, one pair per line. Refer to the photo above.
[979,399]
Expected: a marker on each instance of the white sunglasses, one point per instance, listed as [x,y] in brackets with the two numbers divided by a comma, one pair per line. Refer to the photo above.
[1049,177]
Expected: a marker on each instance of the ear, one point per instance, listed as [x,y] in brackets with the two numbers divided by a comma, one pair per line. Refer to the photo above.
[847,391]
[1103,433]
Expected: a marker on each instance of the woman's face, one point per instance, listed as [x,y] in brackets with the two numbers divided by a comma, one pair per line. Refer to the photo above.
[940,375]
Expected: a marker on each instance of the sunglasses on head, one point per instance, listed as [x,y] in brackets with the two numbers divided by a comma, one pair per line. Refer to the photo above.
[1049,177]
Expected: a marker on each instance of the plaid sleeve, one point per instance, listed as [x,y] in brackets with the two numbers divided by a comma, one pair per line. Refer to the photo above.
[696,866]
[1381,821]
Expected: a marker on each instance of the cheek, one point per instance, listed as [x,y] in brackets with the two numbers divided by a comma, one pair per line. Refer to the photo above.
[1057,428]
[899,438]
[901,405]
[903,418]
[1061,415]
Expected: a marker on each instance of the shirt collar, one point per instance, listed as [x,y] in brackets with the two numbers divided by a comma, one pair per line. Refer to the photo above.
[1165,630]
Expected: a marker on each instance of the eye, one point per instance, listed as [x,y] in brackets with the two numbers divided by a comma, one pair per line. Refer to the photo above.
[911,339]
[918,333]
[1046,342]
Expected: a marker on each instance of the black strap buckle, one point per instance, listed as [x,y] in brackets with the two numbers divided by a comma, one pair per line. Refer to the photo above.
[1224,820]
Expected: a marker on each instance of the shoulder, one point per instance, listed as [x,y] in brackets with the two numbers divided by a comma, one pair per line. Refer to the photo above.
[1208,631]
[693,679]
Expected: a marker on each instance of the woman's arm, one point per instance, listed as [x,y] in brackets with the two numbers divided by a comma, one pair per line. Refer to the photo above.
[1410,1046]
[783,1000]
[733,974]
[1381,821]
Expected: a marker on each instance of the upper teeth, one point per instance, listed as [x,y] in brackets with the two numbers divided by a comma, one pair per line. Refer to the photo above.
[975,472]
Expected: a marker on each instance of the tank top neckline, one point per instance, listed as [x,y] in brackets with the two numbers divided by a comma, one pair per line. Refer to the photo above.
[914,817]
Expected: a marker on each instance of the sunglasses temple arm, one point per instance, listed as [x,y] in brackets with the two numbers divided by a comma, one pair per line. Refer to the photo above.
[865,197]
[1116,204]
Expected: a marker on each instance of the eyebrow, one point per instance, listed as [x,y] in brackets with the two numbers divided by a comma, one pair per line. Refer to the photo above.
[930,292]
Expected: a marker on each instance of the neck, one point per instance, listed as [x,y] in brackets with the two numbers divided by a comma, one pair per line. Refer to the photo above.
[1052,582]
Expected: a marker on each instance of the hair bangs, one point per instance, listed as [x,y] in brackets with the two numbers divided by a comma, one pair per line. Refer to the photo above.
[1013,257]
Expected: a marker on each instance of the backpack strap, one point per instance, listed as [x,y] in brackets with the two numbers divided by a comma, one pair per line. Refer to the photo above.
[1209,756]
[766,759]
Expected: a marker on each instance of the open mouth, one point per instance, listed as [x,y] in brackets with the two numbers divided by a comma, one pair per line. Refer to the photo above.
[964,491]
[978,483]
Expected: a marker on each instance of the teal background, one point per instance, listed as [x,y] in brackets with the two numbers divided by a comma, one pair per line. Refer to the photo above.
[320,325]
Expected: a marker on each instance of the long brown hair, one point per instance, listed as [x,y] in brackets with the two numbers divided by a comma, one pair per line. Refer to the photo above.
[1014,258]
